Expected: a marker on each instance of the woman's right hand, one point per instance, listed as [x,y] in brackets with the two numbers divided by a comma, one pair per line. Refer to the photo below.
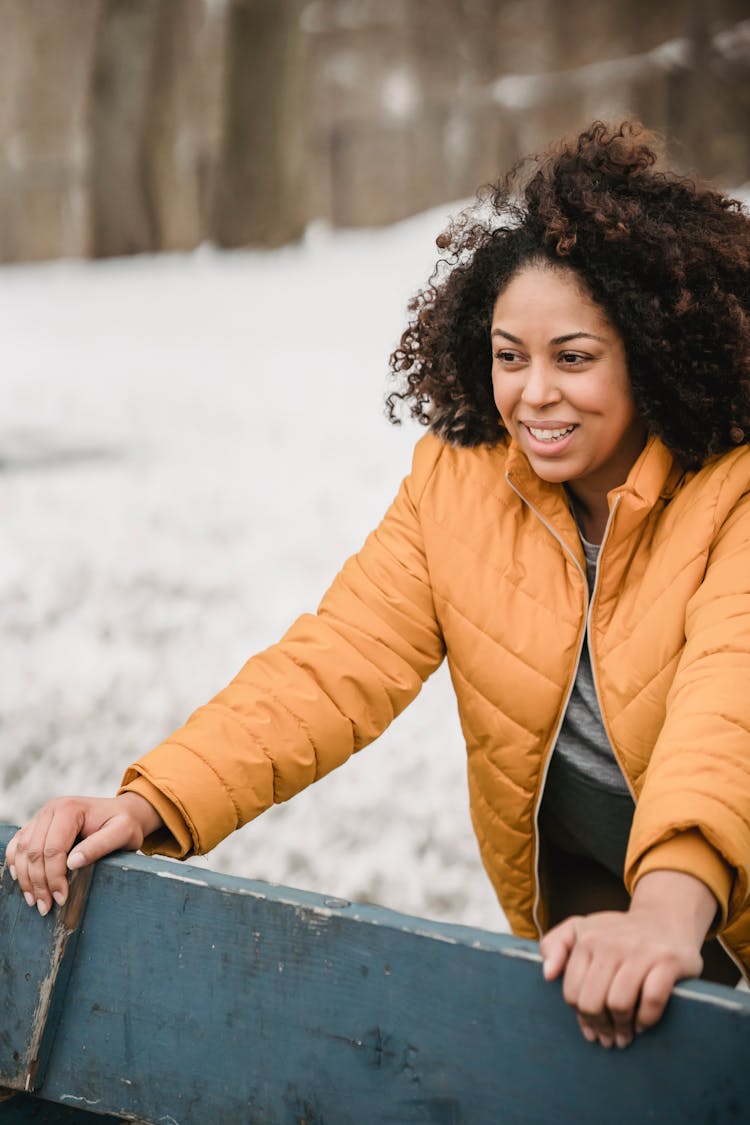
[92,827]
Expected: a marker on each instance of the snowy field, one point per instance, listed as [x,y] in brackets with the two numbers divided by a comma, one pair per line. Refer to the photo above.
[189,448]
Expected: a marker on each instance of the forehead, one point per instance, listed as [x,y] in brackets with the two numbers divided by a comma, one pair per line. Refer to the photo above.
[542,292]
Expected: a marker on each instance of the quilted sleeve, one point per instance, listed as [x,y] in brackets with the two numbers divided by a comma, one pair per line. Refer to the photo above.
[301,707]
[694,809]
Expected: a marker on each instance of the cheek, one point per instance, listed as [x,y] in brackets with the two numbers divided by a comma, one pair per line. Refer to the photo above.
[502,394]
[623,407]
[611,401]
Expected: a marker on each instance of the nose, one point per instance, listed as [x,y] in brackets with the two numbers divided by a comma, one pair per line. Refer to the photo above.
[540,388]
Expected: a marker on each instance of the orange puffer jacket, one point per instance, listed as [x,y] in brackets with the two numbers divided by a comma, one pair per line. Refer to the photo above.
[480,560]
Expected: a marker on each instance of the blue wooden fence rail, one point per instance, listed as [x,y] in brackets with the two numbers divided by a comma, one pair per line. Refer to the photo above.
[170,994]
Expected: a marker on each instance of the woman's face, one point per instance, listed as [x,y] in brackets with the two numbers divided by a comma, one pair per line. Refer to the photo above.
[561,382]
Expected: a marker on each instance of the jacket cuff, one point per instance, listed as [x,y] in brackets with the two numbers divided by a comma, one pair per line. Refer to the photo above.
[690,853]
[192,799]
[174,838]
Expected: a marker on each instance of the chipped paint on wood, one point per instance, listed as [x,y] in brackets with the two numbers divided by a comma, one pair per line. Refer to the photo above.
[176,877]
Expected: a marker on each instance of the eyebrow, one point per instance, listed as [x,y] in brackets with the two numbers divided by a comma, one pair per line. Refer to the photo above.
[557,339]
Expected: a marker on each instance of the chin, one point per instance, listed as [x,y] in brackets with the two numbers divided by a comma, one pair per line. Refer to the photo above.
[552,474]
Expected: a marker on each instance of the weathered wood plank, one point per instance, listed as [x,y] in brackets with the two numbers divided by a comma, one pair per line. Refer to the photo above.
[198,998]
[35,964]
[25,1108]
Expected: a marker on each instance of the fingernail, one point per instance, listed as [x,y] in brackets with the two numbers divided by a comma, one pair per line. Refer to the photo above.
[60,897]
[622,1041]
[589,1034]
[639,1030]
[30,900]
[75,859]
[606,1041]
[13,875]
[42,908]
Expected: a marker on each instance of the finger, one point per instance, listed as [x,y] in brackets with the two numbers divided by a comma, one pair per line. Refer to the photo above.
[623,998]
[575,974]
[593,1022]
[556,947]
[115,834]
[21,863]
[46,861]
[588,1032]
[592,998]
[28,854]
[64,827]
[10,856]
[657,986]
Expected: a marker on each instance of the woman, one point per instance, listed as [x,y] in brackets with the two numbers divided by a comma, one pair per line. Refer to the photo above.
[575,537]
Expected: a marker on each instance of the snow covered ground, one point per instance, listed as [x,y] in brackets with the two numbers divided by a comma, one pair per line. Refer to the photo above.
[189,448]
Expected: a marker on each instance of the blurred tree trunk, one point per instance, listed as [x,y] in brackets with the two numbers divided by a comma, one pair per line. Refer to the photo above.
[123,219]
[171,182]
[183,120]
[155,124]
[711,95]
[260,197]
[46,58]
[698,90]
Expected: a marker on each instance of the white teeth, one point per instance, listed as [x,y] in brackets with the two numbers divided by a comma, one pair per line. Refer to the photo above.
[550,435]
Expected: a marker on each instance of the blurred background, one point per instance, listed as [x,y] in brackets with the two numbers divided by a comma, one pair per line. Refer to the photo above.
[145,125]
[212,216]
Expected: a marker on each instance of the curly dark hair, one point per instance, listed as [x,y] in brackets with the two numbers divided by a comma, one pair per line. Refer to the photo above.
[667,260]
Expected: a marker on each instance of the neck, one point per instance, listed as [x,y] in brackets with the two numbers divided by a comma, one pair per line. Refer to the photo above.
[591,513]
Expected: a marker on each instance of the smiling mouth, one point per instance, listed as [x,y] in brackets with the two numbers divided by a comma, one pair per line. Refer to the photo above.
[549,435]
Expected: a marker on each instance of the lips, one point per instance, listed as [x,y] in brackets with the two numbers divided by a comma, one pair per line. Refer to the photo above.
[549,434]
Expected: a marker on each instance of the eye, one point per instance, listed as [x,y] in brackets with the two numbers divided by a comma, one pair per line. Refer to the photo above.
[505,355]
[573,359]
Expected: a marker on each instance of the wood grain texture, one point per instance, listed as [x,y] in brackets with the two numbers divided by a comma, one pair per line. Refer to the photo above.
[198,998]
[35,964]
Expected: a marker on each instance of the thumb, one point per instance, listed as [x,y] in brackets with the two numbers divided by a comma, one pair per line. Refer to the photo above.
[556,947]
[114,835]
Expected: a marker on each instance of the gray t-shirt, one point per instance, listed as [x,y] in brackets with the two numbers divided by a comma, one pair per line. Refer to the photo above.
[587,808]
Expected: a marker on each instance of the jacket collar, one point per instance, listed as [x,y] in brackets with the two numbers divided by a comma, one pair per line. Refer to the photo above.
[654,476]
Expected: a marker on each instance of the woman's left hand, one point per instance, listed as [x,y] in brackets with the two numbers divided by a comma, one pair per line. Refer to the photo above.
[620,968]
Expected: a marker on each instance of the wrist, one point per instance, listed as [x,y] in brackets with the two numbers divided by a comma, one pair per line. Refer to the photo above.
[676,899]
[143,811]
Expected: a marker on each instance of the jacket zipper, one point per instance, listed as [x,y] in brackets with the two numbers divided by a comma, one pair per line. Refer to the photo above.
[584,636]
[591,658]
